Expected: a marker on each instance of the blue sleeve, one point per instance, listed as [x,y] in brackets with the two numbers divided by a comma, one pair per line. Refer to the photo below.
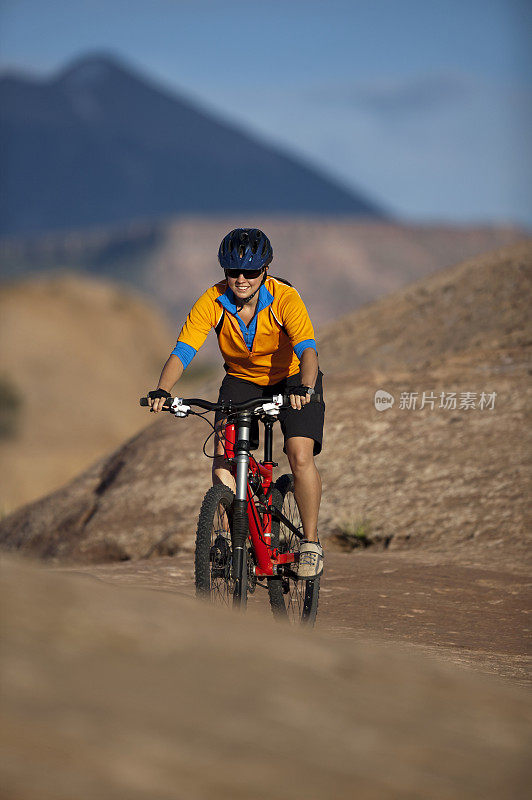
[302,346]
[184,352]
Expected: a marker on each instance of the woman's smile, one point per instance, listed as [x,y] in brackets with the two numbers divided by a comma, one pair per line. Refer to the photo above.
[242,286]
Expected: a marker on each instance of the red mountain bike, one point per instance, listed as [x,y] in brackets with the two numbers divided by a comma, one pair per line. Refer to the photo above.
[250,537]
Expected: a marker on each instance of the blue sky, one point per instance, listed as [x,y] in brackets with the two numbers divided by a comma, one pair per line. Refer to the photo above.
[424,105]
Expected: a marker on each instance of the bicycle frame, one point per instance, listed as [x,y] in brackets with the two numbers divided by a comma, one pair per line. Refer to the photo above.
[259,518]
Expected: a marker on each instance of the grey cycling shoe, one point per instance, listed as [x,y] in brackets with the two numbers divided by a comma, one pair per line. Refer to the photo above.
[310,560]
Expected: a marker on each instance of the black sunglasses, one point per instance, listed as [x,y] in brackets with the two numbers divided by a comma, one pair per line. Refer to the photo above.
[248,273]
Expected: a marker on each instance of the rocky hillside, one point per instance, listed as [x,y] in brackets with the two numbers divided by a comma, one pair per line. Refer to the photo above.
[447,466]
[128,693]
[474,310]
[74,351]
[451,476]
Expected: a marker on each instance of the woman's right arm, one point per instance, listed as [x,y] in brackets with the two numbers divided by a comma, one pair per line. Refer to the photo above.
[201,319]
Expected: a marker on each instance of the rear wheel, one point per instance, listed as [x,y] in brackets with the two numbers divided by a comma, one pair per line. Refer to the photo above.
[213,557]
[290,597]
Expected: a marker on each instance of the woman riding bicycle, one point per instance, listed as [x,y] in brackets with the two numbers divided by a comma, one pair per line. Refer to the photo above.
[267,341]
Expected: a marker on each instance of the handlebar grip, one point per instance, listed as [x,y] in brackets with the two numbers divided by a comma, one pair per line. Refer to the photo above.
[167,403]
[314,398]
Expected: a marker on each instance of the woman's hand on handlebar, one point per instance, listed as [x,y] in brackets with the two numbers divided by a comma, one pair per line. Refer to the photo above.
[156,399]
[299,397]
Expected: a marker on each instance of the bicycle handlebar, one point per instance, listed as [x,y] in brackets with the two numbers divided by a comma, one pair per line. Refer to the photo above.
[228,406]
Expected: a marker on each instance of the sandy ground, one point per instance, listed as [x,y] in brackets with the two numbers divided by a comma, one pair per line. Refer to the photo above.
[460,614]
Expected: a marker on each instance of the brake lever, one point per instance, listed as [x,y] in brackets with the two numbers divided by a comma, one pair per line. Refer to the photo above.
[273,408]
[178,408]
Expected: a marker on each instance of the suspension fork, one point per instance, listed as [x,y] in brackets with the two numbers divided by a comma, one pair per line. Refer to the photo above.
[240,515]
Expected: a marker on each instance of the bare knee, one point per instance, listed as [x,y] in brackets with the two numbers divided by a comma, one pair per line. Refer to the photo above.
[221,473]
[300,454]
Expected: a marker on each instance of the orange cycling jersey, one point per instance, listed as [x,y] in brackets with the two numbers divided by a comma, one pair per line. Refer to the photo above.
[265,351]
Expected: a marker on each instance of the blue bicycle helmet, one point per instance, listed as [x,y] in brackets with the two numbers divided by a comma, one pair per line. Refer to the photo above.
[245,248]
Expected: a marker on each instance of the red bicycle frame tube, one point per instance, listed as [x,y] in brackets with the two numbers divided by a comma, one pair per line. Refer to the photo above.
[260,526]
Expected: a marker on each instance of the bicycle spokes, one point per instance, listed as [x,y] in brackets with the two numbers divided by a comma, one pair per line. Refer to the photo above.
[220,557]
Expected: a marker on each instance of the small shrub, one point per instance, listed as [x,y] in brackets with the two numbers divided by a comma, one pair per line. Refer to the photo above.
[350,534]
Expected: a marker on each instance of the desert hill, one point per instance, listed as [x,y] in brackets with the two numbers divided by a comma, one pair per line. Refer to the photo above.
[139,151]
[456,478]
[336,264]
[476,309]
[446,480]
[117,692]
[72,348]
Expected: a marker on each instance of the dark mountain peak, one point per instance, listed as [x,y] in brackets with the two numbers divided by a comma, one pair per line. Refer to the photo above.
[76,90]
[97,73]
[90,70]
[101,143]
[104,90]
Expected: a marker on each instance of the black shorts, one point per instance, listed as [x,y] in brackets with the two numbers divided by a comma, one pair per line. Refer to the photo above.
[307,422]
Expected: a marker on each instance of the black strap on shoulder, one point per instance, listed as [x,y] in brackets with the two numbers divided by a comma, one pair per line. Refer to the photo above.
[281,280]
[218,326]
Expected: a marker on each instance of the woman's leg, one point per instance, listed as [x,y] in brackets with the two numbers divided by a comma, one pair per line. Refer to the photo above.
[220,471]
[307,482]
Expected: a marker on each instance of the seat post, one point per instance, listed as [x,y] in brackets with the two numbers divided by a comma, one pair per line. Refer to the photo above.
[268,440]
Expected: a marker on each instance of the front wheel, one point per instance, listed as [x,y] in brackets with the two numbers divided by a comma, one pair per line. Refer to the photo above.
[291,598]
[213,559]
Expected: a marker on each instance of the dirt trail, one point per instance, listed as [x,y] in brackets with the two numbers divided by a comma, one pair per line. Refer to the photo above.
[466,615]
[116,691]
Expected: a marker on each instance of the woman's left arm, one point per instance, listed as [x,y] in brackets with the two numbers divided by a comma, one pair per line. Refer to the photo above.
[309,372]
[309,367]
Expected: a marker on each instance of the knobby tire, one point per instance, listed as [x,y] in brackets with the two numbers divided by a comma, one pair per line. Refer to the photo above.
[213,574]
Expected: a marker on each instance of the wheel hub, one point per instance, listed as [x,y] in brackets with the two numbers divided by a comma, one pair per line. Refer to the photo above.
[220,558]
